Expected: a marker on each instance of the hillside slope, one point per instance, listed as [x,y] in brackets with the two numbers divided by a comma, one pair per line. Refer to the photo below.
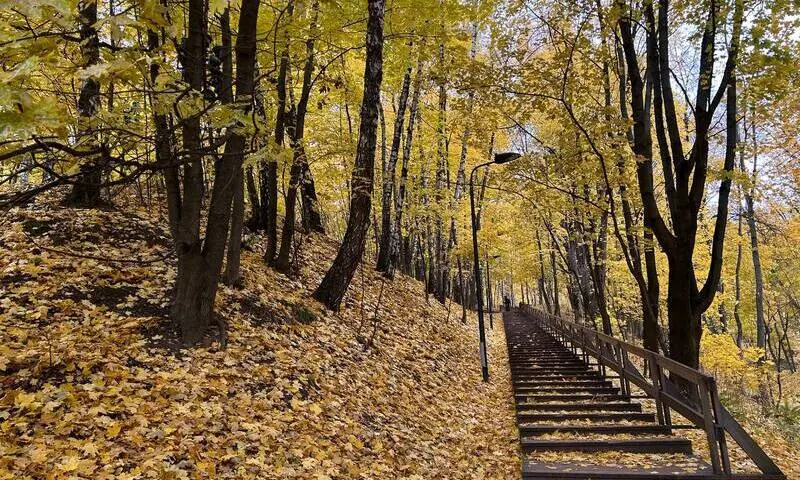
[94,385]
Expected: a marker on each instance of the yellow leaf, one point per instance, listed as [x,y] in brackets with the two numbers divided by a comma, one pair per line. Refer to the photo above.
[315,409]
[113,430]
[356,442]
[69,464]
[90,449]
[207,467]
[24,400]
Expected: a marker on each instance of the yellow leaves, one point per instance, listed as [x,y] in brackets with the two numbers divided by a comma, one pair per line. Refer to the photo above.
[90,449]
[154,12]
[41,313]
[377,446]
[283,401]
[720,356]
[113,430]
[25,400]
[69,464]
[355,442]
[315,409]
[115,69]
[296,404]
[207,467]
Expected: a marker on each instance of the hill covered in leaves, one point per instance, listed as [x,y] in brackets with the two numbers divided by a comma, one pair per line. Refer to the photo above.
[95,385]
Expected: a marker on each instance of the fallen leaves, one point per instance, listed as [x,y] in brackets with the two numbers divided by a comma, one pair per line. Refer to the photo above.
[93,385]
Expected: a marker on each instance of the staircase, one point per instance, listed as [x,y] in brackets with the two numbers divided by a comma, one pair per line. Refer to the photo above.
[569,411]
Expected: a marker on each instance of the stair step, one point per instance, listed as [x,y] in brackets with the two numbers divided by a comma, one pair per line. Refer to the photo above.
[637,445]
[572,407]
[571,397]
[535,363]
[539,356]
[566,389]
[591,416]
[604,428]
[578,376]
[551,370]
[591,382]
[533,357]
[543,366]
[569,470]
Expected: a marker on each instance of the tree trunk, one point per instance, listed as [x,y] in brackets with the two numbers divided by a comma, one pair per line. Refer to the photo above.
[232,275]
[86,189]
[651,300]
[543,295]
[233,271]
[337,279]
[400,197]
[200,262]
[190,309]
[751,227]
[684,320]
[312,215]
[462,291]
[300,163]
[269,172]
[738,275]
[439,260]
[384,252]
[256,220]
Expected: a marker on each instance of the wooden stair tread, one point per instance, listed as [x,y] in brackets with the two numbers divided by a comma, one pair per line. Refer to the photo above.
[593,416]
[572,406]
[639,445]
[572,470]
[570,396]
[600,428]
[566,388]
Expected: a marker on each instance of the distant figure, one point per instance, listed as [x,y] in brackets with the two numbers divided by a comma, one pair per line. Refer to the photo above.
[507,302]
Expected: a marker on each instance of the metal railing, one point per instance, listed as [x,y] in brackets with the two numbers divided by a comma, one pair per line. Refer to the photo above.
[672,385]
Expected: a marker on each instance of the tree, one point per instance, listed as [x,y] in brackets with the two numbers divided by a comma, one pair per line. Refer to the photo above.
[336,281]
[268,171]
[384,254]
[86,189]
[685,175]
[750,214]
[297,121]
[200,258]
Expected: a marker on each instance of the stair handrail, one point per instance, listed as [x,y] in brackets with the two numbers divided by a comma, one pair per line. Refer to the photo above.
[710,414]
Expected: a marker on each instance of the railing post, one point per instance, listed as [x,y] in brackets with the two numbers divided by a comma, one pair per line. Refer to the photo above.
[712,434]
[584,351]
[662,380]
[655,375]
[716,405]
[623,376]
[600,349]
[572,336]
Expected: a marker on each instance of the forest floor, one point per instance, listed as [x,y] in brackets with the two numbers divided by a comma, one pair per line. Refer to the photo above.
[93,383]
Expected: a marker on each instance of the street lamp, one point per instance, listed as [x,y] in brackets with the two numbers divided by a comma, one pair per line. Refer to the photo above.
[499,158]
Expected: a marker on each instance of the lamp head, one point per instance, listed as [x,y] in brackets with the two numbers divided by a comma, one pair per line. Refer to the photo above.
[505,157]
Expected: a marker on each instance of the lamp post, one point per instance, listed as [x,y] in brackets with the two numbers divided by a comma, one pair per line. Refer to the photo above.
[499,158]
